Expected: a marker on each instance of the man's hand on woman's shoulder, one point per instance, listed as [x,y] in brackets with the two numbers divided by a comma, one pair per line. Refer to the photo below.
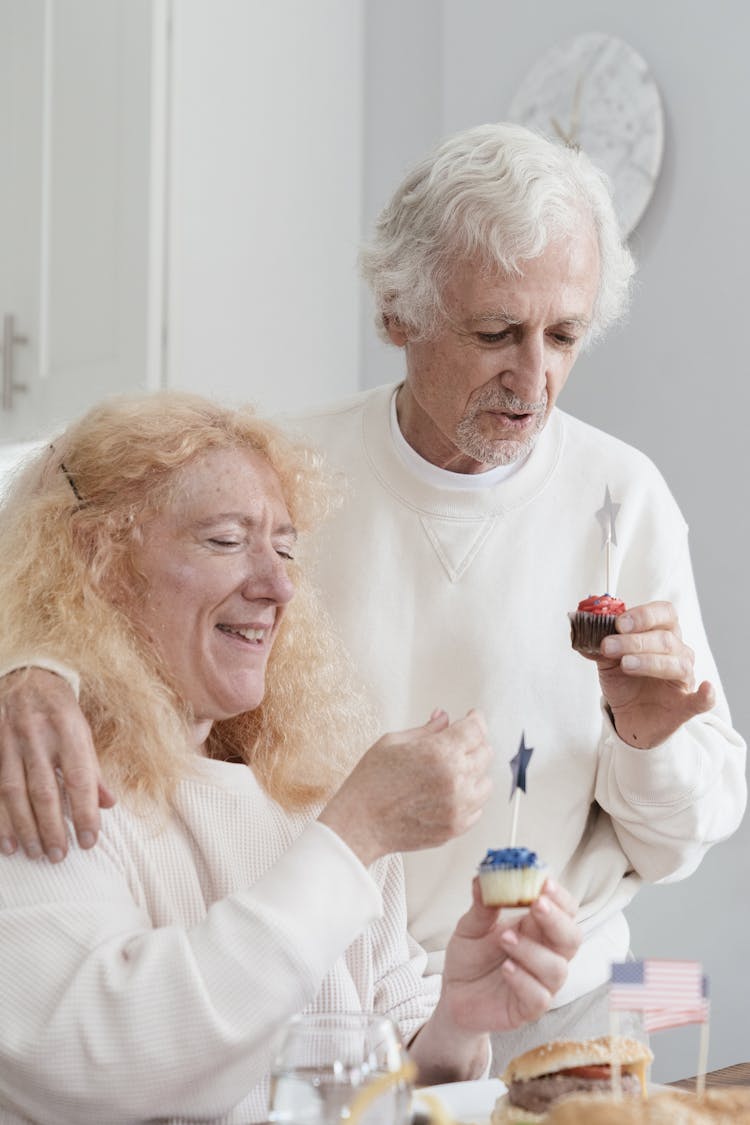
[45,742]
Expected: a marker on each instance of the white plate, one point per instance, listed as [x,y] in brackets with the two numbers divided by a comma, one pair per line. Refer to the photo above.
[470,1102]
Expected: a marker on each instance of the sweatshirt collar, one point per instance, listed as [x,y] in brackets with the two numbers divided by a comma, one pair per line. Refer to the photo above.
[419,490]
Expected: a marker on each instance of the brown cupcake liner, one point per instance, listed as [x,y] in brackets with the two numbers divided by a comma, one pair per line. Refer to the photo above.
[588,630]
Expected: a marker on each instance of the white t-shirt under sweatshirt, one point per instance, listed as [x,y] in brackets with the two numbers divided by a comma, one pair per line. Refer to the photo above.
[454,596]
[141,980]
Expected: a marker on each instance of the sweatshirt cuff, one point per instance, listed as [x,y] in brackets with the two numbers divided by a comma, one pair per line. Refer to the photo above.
[666,775]
[48,665]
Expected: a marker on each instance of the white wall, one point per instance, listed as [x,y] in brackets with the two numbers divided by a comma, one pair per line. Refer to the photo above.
[264,200]
[403,117]
[12,457]
[673,382]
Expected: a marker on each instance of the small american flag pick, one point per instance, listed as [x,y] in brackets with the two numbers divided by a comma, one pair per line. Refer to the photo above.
[677,1017]
[668,993]
[518,766]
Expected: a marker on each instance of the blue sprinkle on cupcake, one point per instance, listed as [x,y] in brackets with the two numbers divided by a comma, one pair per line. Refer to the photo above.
[511,877]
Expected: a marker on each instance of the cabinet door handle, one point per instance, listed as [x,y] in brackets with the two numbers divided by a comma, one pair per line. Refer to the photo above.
[10,339]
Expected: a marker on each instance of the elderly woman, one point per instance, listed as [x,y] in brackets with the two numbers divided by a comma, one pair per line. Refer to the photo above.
[248,871]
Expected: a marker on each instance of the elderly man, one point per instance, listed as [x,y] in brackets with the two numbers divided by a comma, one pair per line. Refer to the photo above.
[470,529]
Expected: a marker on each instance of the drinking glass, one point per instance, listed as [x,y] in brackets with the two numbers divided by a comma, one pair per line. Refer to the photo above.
[333,1067]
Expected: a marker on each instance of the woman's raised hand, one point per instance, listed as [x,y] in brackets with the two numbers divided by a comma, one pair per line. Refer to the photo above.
[414,789]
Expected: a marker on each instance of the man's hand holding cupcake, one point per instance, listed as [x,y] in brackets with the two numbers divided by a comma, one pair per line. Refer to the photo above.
[646,672]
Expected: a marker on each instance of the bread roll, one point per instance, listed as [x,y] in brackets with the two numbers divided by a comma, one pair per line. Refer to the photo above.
[719,1106]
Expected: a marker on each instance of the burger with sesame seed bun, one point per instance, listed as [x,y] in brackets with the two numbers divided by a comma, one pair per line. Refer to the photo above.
[537,1079]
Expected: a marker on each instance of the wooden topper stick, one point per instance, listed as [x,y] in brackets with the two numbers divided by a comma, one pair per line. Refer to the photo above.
[514,821]
[518,766]
[607,517]
[700,1081]
[616,1069]
[608,566]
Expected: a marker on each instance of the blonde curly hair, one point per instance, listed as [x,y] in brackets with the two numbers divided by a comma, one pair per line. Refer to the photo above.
[67,526]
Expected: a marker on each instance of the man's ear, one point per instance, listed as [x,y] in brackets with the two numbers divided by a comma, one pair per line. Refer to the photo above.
[397,334]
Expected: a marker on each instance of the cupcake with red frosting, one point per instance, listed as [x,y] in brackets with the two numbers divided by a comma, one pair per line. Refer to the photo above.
[594,620]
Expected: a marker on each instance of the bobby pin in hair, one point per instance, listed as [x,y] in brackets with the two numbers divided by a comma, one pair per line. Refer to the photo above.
[72,483]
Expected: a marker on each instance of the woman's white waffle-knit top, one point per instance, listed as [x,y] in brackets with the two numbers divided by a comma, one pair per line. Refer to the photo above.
[142,981]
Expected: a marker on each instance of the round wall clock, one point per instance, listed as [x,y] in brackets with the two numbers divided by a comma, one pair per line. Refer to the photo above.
[595,91]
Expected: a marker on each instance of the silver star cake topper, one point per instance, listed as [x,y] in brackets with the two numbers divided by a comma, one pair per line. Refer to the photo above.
[607,516]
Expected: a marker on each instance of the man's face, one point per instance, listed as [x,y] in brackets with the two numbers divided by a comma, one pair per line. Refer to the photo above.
[479,393]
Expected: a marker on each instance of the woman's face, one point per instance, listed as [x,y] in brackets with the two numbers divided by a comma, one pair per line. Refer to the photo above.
[215,567]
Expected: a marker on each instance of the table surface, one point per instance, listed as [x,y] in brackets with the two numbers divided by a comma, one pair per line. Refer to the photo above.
[737,1075]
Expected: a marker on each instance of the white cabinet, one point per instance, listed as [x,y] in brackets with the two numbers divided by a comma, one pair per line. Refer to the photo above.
[79,227]
[265,199]
[180,201]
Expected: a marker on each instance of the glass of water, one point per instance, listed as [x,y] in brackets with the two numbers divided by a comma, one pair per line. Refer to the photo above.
[342,1066]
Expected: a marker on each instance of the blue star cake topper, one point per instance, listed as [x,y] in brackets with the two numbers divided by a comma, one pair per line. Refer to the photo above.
[518,766]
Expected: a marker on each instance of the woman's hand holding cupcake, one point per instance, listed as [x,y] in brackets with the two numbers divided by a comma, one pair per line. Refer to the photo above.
[498,975]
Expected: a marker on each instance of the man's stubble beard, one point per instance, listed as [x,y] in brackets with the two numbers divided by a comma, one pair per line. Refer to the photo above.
[499,451]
